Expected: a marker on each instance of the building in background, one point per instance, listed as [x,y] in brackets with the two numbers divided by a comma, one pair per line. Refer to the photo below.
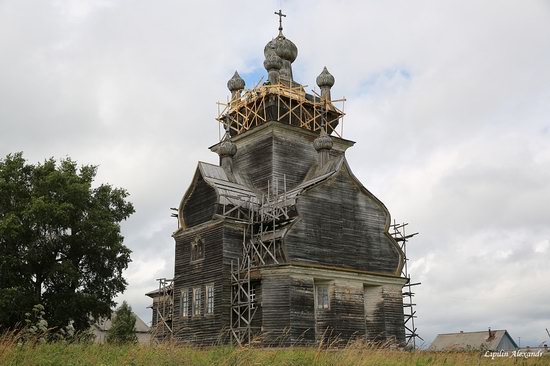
[490,340]
[101,327]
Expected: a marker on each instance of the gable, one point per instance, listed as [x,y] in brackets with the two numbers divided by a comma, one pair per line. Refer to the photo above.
[212,190]
[198,204]
[342,224]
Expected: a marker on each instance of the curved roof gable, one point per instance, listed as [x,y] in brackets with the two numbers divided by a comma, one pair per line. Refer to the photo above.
[227,192]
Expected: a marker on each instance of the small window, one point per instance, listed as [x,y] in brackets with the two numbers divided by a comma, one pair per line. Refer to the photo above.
[209,299]
[197,303]
[322,297]
[252,298]
[197,249]
[184,303]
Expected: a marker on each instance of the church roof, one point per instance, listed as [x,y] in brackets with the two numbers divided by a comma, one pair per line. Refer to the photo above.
[225,188]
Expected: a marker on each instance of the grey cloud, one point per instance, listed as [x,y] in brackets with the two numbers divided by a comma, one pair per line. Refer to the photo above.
[447,103]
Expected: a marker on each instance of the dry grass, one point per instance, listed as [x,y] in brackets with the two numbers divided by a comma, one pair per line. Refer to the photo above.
[170,354]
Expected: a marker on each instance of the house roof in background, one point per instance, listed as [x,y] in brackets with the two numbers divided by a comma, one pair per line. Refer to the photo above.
[105,324]
[473,340]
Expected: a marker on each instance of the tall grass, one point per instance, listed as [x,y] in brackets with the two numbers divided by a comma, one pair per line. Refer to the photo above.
[12,352]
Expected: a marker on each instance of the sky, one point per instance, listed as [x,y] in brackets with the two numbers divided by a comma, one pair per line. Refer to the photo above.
[449,103]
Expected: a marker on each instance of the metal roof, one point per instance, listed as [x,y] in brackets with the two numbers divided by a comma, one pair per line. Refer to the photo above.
[470,340]
[232,192]
[228,192]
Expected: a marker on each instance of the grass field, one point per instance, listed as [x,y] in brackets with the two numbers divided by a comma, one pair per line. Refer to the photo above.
[94,354]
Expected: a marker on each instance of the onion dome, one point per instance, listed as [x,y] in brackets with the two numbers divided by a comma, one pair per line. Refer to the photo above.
[325,79]
[227,147]
[236,83]
[284,48]
[323,142]
[272,62]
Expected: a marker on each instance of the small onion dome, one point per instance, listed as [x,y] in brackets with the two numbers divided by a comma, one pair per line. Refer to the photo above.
[325,79]
[227,147]
[323,142]
[272,62]
[284,48]
[236,83]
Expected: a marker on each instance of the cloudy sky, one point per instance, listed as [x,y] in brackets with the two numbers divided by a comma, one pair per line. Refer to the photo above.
[449,103]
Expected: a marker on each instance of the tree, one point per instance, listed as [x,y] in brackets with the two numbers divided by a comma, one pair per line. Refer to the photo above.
[60,242]
[123,326]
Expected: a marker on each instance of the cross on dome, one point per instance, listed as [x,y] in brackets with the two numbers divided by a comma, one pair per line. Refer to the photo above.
[281,15]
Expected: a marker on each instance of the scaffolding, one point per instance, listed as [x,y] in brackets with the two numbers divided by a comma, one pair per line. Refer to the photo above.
[399,234]
[262,246]
[163,309]
[266,219]
[284,102]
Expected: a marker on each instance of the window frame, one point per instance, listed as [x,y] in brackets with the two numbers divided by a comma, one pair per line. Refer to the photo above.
[196,302]
[209,299]
[195,254]
[322,293]
[184,305]
[253,298]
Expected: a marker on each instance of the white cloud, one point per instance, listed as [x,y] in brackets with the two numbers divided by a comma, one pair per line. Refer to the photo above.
[448,103]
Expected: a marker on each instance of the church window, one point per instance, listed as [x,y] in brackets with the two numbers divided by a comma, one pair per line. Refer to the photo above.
[184,303]
[322,294]
[252,298]
[197,249]
[209,299]
[197,301]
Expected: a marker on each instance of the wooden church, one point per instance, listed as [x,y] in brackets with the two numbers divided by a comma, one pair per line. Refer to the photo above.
[280,243]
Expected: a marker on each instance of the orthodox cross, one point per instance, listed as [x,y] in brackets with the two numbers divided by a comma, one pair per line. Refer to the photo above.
[281,15]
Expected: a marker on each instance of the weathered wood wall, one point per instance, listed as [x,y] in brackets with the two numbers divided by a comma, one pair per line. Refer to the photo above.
[254,160]
[275,308]
[293,155]
[358,309]
[223,242]
[342,226]
[200,205]
[302,310]
[277,150]
[393,312]
[345,320]
[375,317]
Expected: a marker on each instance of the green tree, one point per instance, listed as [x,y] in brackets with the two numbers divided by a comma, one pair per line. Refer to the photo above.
[60,242]
[123,326]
